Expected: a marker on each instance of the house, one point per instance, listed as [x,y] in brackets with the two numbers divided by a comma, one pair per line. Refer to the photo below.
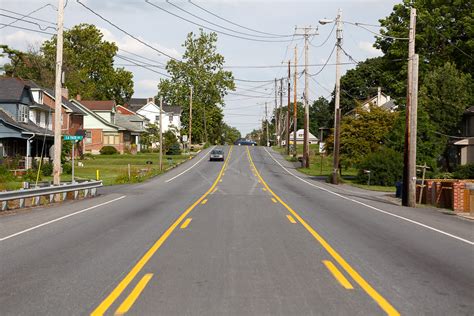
[146,107]
[300,138]
[466,145]
[134,125]
[380,100]
[25,125]
[100,126]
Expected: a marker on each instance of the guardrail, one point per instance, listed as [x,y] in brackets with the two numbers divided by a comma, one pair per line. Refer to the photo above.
[88,188]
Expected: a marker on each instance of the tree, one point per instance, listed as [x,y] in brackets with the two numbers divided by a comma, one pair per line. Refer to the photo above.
[229,134]
[88,65]
[151,135]
[321,115]
[201,68]
[363,133]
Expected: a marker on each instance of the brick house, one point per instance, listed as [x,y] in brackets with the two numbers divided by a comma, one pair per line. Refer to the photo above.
[100,126]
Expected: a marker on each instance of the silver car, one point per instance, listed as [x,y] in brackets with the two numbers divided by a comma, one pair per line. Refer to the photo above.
[216,154]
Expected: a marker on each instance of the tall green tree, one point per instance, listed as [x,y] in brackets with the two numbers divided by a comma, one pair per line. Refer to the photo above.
[201,68]
[229,134]
[88,65]
[321,115]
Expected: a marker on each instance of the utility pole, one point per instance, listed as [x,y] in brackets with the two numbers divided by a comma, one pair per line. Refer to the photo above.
[205,123]
[58,98]
[337,110]
[295,108]
[277,125]
[266,121]
[161,133]
[409,155]
[288,111]
[279,112]
[306,34]
[190,116]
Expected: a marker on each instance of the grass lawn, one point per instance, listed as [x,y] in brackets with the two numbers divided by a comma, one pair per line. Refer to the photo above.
[322,166]
[113,169]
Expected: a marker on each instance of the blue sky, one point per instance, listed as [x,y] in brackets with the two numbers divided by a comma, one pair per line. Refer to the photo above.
[167,33]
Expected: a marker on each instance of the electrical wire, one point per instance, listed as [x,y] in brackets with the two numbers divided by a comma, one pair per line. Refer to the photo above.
[41,27]
[327,38]
[236,24]
[215,24]
[375,33]
[211,29]
[145,67]
[27,15]
[325,64]
[26,29]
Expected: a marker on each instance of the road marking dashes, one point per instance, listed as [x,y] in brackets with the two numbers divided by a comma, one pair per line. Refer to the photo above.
[186,223]
[291,219]
[338,275]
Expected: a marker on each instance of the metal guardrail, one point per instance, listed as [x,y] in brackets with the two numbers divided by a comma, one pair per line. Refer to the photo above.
[89,188]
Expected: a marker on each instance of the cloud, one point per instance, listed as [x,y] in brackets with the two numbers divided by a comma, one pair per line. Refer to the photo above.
[129,44]
[22,40]
[369,48]
[145,88]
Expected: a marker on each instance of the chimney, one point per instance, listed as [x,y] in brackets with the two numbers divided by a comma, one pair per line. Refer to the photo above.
[152,99]
[65,93]
[379,96]
[78,97]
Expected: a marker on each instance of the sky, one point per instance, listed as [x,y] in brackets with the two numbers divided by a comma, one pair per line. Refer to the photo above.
[245,108]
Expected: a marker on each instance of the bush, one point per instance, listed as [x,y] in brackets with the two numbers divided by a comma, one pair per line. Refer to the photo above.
[47,169]
[5,174]
[464,172]
[385,165]
[174,149]
[108,150]
[31,175]
[67,168]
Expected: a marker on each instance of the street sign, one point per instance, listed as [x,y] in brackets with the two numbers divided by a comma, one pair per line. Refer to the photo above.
[185,138]
[74,138]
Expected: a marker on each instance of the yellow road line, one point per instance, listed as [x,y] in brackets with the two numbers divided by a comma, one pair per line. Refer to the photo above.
[291,219]
[274,201]
[127,304]
[204,201]
[110,299]
[186,223]
[338,275]
[381,301]
[264,189]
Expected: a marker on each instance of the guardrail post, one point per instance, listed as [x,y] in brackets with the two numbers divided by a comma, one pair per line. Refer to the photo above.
[86,193]
[51,198]
[36,200]
[93,192]
[22,203]
[4,205]
[63,198]
[76,194]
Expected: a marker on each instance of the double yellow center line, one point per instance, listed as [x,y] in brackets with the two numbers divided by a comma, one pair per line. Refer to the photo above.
[112,297]
[381,301]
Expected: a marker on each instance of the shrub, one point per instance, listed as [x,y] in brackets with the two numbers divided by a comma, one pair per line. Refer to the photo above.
[31,175]
[174,149]
[385,165]
[464,172]
[108,150]
[67,168]
[5,174]
[47,169]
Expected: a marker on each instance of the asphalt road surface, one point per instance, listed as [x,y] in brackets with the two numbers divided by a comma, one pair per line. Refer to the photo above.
[248,236]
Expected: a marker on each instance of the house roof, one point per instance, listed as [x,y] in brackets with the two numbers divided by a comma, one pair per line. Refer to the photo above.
[129,122]
[175,109]
[65,102]
[11,89]
[469,111]
[93,114]
[26,127]
[390,105]
[465,141]
[42,107]
[94,105]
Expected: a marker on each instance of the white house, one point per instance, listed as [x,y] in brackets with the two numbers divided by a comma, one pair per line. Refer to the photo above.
[146,107]
[300,138]
[380,100]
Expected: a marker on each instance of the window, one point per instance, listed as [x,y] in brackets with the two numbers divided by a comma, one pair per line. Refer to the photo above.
[38,118]
[157,119]
[171,118]
[88,137]
[23,113]
[111,139]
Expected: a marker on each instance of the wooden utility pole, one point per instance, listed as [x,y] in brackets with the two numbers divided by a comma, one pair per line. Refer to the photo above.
[288,111]
[190,116]
[337,110]
[409,155]
[295,107]
[161,133]
[58,98]
[275,112]
[266,123]
[279,113]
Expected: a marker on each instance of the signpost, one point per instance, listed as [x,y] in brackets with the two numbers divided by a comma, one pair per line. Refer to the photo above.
[74,139]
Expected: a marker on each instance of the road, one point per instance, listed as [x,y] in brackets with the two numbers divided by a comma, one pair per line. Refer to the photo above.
[248,236]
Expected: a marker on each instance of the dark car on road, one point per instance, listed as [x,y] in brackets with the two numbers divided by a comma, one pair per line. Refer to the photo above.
[245,142]
[216,154]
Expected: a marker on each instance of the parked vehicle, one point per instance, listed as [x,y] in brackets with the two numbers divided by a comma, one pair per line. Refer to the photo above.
[245,142]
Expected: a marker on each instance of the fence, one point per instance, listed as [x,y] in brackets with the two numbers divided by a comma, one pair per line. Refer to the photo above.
[61,192]
[457,195]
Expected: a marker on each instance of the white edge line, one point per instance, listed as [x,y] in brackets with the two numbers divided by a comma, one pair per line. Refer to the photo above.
[60,218]
[180,174]
[372,207]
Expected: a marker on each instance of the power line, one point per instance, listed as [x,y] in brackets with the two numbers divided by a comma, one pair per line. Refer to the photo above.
[140,65]
[26,29]
[41,27]
[215,24]
[27,15]
[236,24]
[211,29]
[375,33]
[327,38]
[325,64]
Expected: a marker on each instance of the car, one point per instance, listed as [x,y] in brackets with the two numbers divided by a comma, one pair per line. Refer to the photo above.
[216,154]
[245,142]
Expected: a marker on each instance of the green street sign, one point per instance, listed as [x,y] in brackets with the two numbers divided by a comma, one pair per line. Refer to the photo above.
[74,138]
